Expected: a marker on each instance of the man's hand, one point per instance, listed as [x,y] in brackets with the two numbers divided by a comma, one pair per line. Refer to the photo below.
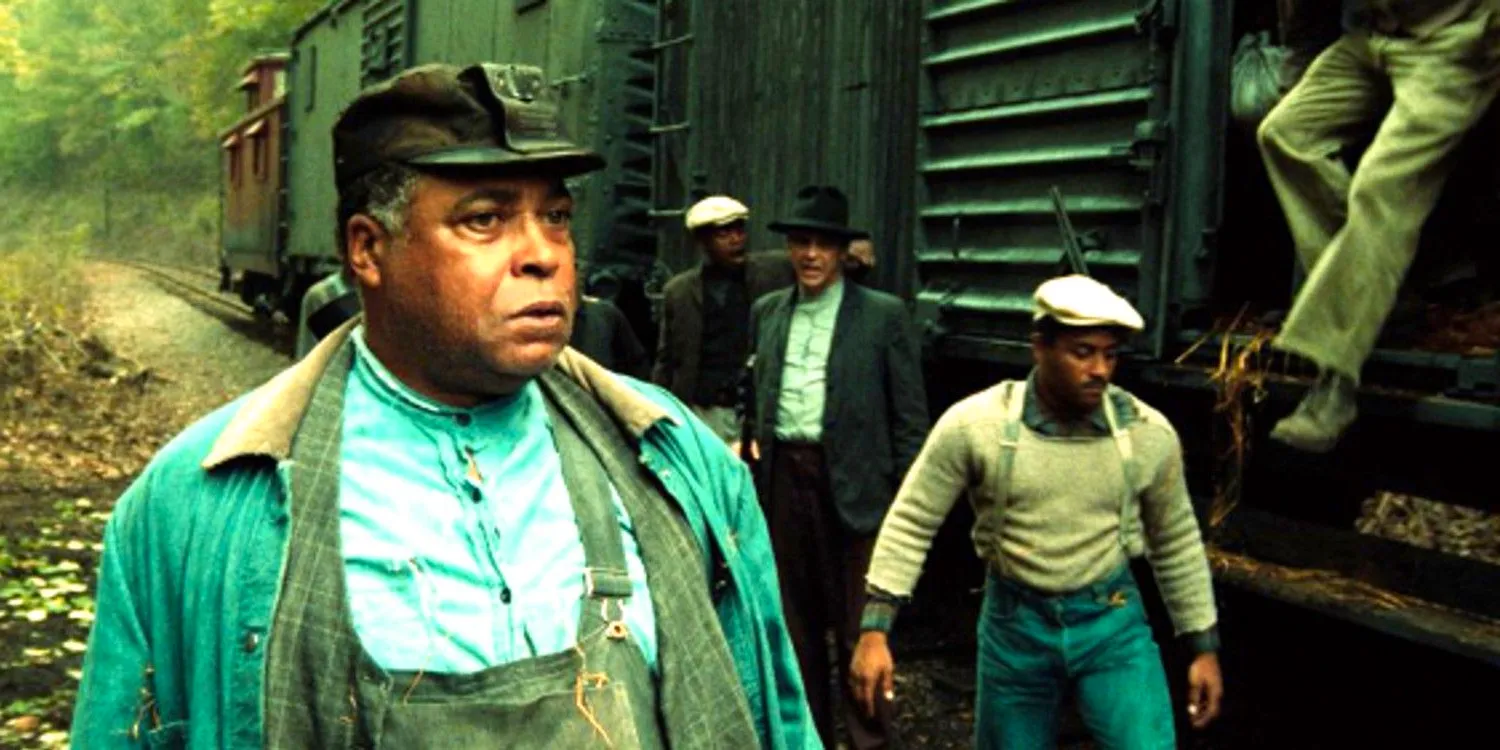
[872,670]
[754,449]
[1205,689]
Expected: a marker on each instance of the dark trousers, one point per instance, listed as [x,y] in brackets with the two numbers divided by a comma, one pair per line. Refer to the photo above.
[822,568]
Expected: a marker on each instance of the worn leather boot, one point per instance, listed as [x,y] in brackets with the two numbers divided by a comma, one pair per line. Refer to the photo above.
[1325,412]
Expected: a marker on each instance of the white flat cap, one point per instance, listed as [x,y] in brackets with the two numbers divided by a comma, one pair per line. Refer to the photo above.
[1078,300]
[716,210]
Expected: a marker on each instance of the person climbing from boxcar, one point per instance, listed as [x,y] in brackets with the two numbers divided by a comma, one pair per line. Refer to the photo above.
[1356,235]
[705,316]
[839,411]
[1070,477]
[442,527]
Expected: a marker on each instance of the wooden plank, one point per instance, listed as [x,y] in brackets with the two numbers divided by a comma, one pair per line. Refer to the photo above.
[1340,597]
[1440,579]
[1379,452]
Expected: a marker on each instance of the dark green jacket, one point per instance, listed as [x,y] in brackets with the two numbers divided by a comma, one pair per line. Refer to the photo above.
[875,408]
[681,341]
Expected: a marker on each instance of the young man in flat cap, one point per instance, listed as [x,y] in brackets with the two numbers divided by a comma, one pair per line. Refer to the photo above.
[1426,71]
[1069,477]
[705,319]
[442,527]
[839,413]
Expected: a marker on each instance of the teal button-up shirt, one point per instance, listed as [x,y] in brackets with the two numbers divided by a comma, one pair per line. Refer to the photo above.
[449,573]
[804,377]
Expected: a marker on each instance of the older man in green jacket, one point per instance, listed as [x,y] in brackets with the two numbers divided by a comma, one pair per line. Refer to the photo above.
[443,527]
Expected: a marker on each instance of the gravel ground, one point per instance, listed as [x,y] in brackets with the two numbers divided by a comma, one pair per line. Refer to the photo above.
[206,361]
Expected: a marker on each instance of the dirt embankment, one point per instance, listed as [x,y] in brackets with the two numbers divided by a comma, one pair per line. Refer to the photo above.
[88,393]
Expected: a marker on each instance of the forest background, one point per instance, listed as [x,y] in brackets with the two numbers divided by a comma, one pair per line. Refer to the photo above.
[109,117]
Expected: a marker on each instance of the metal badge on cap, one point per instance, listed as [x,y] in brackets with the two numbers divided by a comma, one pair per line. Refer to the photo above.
[526,122]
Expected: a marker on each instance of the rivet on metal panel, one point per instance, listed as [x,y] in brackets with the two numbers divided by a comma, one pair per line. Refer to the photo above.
[565,80]
[1147,16]
[667,43]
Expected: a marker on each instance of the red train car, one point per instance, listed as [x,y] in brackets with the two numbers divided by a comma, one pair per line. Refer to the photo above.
[252,179]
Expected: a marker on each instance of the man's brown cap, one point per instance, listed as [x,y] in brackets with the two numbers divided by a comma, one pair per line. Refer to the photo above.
[489,116]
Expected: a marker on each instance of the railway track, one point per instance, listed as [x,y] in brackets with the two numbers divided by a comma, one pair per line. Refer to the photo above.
[189,284]
[199,288]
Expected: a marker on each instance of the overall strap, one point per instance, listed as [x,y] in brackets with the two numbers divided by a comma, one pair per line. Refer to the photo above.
[1121,436]
[605,576]
[1013,400]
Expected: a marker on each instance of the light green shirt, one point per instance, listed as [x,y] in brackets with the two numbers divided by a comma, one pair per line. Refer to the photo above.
[804,377]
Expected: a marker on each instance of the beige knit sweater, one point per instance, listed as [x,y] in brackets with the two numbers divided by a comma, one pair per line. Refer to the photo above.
[1062,517]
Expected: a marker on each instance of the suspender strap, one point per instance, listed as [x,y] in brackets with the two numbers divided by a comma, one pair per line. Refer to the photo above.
[1014,398]
[605,575]
[1129,516]
[1014,402]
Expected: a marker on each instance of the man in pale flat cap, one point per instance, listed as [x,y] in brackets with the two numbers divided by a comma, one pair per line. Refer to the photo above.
[443,527]
[705,318]
[1070,477]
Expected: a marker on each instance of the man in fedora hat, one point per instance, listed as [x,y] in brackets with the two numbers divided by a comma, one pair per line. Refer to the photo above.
[1070,477]
[442,527]
[705,318]
[839,413]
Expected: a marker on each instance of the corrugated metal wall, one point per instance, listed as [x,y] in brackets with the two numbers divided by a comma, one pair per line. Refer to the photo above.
[770,95]
[1019,97]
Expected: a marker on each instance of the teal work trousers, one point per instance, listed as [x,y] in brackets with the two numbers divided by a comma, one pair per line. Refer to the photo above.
[1095,643]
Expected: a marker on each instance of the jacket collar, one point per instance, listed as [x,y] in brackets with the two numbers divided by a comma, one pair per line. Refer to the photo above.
[267,422]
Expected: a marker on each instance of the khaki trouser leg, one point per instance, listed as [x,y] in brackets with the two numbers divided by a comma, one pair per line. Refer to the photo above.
[1442,85]
[1303,135]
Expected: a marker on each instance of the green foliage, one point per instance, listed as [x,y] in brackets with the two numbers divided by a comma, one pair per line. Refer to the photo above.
[132,92]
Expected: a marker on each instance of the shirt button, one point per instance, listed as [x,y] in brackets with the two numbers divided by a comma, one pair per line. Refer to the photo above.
[463,419]
[252,641]
[505,595]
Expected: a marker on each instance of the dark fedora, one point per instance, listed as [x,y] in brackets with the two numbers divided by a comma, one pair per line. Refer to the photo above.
[820,208]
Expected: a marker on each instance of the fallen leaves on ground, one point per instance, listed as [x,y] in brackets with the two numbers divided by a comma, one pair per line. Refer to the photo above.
[76,423]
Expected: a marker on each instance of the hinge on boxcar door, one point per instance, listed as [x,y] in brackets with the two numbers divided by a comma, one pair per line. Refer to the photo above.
[1146,151]
[1148,16]
[1159,18]
[560,85]
[1146,147]
[928,313]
